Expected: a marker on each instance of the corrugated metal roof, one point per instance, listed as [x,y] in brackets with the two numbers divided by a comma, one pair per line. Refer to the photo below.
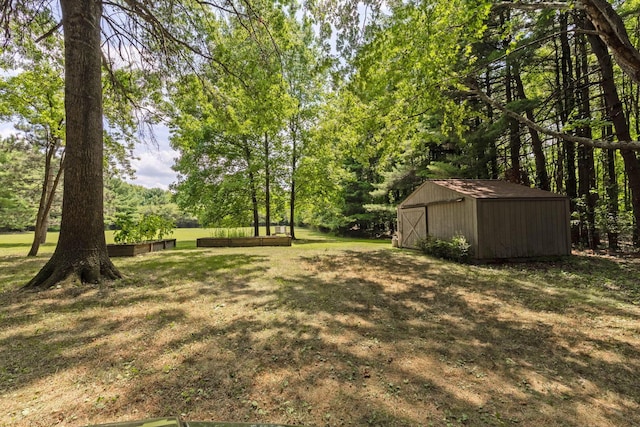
[494,189]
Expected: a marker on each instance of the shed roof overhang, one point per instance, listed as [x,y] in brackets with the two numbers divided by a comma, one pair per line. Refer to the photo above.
[435,202]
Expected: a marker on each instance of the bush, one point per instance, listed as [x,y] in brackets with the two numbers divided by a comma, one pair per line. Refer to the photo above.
[150,227]
[457,249]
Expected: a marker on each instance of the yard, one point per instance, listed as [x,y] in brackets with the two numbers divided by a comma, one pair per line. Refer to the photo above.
[326,332]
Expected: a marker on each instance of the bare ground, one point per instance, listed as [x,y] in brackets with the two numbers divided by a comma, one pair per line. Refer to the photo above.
[325,336]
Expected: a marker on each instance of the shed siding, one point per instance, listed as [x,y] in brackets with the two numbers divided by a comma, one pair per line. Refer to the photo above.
[522,228]
[437,217]
[429,193]
[448,220]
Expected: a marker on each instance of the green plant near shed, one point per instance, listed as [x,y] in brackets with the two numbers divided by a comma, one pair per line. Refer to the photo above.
[457,249]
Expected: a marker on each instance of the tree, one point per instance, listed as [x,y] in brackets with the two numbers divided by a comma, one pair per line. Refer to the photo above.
[305,71]
[131,29]
[81,246]
[34,98]
[19,178]
[430,65]
[250,129]
[218,163]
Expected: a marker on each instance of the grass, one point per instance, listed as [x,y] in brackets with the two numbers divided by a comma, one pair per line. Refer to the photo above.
[326,332]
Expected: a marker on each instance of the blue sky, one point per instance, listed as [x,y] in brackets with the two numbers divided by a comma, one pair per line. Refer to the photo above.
[152,163]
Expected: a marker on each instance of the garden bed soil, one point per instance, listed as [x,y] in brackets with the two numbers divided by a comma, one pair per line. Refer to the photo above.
[133,249]
[218,242]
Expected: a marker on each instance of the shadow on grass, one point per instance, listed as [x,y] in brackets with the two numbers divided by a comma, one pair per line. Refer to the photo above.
[365,338]
[435,311]
[330,239]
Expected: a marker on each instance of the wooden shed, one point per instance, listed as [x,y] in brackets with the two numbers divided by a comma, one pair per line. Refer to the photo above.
[498,218]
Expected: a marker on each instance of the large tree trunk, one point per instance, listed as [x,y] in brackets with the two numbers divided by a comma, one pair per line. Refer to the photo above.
[613,33]
[621,126]
[612,190]
[568,94]
[586,167]
[252,188]
[294,166]
[560,119]
[542,177]
[514,173]
[267,184]
[82,248]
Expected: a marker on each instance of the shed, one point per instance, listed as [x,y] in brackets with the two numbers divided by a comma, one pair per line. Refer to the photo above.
[499,219]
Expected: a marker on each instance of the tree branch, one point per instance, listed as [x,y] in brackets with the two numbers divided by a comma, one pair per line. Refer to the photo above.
[607,22]
[596,143]
[535,5]
[50,32]
[613,32]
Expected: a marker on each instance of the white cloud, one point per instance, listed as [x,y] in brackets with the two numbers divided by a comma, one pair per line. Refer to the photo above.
[153,163]
[153,167]
[7,129]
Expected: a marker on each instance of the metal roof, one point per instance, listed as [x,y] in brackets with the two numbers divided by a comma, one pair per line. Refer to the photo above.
[494,189]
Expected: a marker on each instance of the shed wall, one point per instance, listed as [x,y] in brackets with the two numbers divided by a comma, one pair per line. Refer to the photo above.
[442,220]
[523,228]
[451,219]
[429,193]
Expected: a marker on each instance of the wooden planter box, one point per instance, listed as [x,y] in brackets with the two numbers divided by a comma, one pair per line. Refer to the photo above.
[220,242]
[133,249]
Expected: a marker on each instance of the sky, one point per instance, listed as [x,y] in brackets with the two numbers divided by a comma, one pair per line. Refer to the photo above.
[152,163]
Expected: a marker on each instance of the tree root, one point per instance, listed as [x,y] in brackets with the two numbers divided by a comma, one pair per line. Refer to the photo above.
[88,267]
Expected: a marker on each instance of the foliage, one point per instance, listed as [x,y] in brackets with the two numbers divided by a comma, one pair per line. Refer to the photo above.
[456,249]
[244,138]
[149,227]
[121,196]
[21,178]
[231,232]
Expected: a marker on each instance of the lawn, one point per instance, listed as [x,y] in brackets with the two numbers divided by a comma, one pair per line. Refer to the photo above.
[326,332]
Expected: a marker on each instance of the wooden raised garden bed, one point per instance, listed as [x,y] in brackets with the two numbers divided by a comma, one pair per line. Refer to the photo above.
[132,249]
[220,242]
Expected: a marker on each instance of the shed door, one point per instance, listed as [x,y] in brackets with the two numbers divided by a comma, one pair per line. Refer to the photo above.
[414,226]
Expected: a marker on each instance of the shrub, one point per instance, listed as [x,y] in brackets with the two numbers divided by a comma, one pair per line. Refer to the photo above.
[150,227]
[457,249]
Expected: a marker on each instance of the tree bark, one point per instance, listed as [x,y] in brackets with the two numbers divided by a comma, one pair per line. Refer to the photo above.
[493,149]
[513,174]
[559,172]
[616,112]
[82,248]
[294,165]
[267,184]
[586,166]
[252,189]
[49,188]
[614,34]
[542,177]
[612,190]
[568,90]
